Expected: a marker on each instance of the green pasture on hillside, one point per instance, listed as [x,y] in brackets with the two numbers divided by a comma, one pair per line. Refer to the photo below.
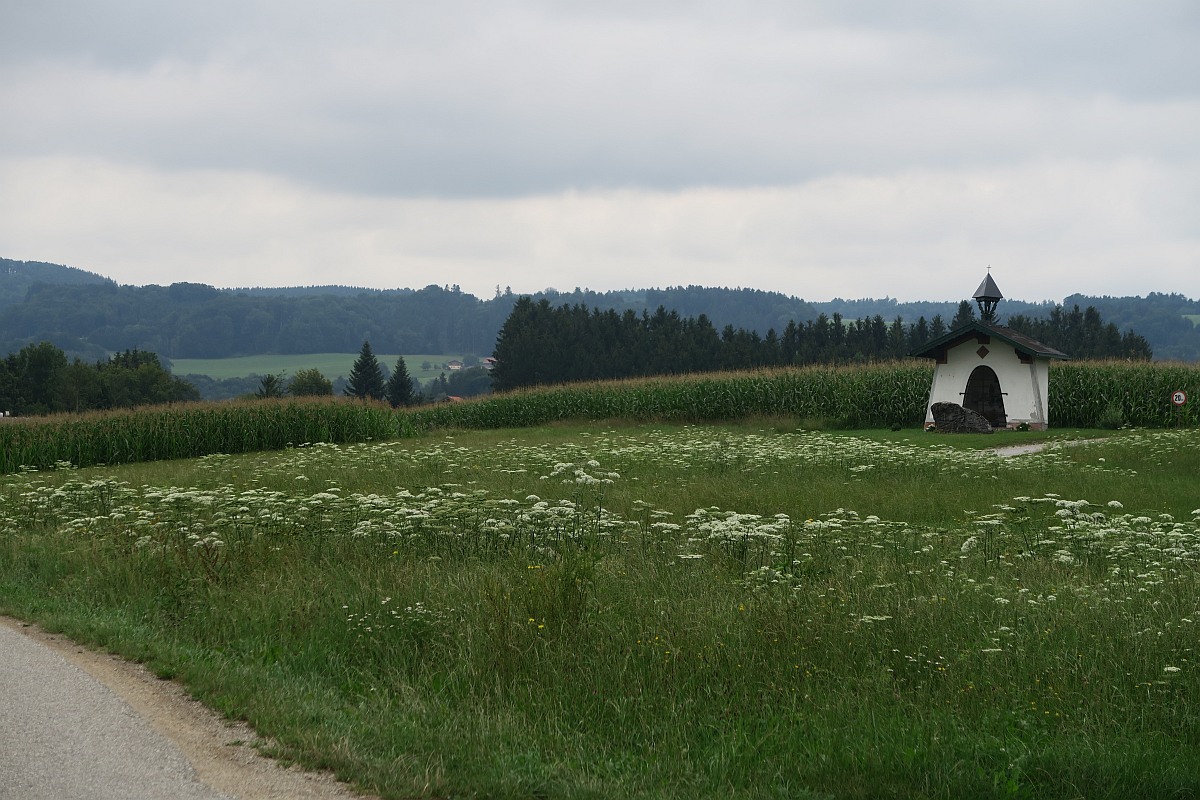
[331,365]
[1195,318]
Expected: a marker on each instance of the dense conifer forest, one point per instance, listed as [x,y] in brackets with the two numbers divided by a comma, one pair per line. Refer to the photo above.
[543,344]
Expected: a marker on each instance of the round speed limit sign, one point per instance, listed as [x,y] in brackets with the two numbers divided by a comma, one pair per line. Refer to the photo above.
[1179,398]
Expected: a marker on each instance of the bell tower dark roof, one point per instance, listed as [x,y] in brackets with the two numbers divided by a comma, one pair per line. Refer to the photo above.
[988,290]
[988,296]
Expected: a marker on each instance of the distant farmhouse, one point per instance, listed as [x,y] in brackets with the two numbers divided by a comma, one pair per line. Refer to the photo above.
[990,369]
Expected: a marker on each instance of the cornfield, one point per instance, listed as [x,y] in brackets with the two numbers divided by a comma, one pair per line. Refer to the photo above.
[854,396]
[188,431]
[1082,394]
[1098,394]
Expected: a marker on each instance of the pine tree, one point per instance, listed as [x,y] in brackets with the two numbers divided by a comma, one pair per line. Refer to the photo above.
[366,376]
[399,391]
[271,385]
[966,313]
[519,352]
[937,327]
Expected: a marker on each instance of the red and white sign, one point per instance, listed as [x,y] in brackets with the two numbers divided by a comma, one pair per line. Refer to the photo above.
[1179,398]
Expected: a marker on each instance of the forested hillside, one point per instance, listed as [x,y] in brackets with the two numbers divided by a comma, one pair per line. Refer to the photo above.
[194,321]
[17,276]
[1161,318]
[91,317]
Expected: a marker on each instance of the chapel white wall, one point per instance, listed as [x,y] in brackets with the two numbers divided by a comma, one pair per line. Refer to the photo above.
[1024,385]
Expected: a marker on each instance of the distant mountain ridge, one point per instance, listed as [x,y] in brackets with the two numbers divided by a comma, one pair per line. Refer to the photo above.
[301,291]
[90,316]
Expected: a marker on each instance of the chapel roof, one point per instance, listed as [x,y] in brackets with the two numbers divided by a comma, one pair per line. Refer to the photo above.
[988,290]
[971,330]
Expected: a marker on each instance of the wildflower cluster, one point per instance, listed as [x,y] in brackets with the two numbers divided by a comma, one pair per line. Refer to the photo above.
[447,520]
[415,620]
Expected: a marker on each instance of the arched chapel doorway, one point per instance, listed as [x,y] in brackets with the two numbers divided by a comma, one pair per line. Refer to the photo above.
[983,395]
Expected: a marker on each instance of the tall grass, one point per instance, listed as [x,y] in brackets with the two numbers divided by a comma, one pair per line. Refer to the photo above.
[659,612]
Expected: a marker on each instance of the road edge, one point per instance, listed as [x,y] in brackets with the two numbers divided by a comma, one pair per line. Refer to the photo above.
[221,751]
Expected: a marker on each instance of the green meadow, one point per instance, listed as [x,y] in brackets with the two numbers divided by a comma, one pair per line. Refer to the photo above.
[738,609]
[762,584]
[331,365]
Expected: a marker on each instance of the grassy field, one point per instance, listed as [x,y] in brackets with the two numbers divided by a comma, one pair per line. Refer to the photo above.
[606,610]
[331,365]
[1195,318]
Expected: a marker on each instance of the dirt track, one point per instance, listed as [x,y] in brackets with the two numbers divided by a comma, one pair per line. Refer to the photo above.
[57,679]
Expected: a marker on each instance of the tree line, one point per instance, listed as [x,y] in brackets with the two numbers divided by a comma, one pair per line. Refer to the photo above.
[540,344]
[39,379]
[543,344]
[1170,322]
[90,317]
[371,380]
[1083,334]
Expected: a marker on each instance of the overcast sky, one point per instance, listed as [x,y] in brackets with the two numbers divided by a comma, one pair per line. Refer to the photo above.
[822,149]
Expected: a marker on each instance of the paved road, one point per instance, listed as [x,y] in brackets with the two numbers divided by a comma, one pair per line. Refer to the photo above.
[65,736]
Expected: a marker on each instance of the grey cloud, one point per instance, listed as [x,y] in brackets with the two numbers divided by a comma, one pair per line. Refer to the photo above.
[123,34]
[492,99]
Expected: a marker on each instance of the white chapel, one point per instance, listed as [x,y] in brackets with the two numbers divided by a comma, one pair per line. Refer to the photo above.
[990,369]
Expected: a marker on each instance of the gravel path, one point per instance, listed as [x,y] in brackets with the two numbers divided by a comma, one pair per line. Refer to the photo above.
[79,724]
[1036,447]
